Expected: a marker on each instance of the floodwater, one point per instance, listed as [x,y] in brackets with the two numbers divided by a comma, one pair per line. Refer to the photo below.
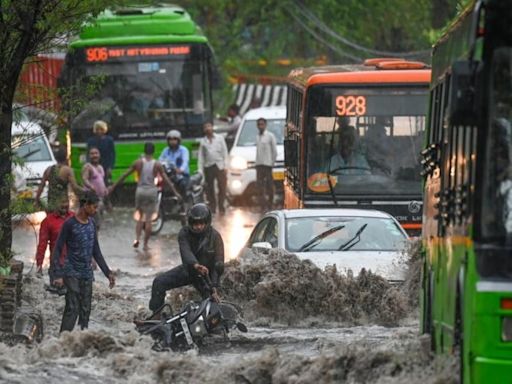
[305,325]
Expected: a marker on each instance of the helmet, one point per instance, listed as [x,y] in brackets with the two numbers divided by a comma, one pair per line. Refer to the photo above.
[199,213]
[173,133]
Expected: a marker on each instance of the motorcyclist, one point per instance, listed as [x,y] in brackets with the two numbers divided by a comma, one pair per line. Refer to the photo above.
[202,254]
[177,155]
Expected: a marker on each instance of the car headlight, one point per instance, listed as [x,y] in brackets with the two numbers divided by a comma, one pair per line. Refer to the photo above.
[238,163]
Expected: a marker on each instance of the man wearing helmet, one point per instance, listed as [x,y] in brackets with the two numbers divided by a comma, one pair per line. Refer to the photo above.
[177,154]
[202,254]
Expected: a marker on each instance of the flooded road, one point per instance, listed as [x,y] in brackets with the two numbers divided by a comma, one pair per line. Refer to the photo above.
[301,329]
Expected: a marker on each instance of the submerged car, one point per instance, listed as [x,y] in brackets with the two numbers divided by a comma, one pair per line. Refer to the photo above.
[241,178]
[348,238]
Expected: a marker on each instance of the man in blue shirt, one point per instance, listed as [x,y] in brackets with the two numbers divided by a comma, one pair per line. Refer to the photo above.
[178,155]
[80,237]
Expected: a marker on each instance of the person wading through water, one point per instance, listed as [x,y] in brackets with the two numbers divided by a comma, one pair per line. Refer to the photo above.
[58,177]
[146,194]
[80,237]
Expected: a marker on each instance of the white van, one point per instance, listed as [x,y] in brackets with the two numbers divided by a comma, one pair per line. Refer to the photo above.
[30,145]
[242,157]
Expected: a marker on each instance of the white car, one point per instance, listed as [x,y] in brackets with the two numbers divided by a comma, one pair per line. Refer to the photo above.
[33,152]
[242,157]
[348,238]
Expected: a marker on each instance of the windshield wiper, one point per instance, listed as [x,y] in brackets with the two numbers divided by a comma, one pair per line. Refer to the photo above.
[350,243]
[28,154]
[314,241]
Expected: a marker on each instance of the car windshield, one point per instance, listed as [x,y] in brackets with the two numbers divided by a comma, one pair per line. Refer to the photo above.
[30,148]
[249,131]
[379,234]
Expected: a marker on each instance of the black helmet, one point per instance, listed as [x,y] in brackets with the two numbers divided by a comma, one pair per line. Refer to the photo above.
[199,213]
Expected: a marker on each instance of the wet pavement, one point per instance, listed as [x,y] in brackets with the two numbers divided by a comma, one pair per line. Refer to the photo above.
[319,350]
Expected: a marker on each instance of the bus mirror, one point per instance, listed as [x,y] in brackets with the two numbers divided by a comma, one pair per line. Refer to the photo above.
[462,93]
[290,153]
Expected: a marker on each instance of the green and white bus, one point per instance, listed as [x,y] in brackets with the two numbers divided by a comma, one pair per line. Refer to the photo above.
[152,70]
[466,296]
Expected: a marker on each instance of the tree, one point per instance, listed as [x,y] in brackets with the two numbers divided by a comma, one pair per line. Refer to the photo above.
[29,27]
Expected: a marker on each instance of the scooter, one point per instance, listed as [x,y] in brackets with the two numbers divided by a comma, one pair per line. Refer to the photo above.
[192,325]
[170,207]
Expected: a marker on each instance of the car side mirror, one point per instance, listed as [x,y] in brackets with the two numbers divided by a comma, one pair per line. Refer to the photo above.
[262,246]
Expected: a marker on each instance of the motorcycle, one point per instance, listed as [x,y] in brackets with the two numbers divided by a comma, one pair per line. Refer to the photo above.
[190,327]
[170,207]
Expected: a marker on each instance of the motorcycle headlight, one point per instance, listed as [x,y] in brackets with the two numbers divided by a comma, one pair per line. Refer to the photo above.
[238,163]
[198,328]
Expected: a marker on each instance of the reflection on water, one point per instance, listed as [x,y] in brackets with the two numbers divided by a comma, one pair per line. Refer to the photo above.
[117,233]
[235,228]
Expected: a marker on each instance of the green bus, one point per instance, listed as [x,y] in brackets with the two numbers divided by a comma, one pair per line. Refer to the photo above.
[143,70]
[466,295]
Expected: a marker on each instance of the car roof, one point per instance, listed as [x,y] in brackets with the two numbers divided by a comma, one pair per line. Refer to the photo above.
[277,112]
[309,212]
[26,128]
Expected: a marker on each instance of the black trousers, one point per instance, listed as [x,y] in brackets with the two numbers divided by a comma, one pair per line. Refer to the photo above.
[175,278]
[211,174]
[78,303]
[265,186]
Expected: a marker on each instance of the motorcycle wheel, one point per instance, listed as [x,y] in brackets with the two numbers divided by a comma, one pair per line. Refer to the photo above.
[157,225]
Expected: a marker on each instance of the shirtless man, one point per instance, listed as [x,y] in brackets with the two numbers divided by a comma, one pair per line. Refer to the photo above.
[146,195]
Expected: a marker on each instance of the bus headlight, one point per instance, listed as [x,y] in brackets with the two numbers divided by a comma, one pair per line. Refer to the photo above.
[506,329]
[238,163]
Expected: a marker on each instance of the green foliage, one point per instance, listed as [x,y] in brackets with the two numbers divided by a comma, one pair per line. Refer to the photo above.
[245,33]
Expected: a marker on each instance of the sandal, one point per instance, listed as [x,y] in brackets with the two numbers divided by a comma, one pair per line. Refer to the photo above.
[135,244]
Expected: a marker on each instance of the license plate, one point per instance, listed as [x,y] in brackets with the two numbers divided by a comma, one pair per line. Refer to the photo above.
[186,331]
[278,175]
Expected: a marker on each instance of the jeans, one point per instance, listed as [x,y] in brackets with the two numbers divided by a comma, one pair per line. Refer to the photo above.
[210,174]
[78,303]
[175,278]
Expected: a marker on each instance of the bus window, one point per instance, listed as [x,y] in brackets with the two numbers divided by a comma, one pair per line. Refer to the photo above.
[497,212]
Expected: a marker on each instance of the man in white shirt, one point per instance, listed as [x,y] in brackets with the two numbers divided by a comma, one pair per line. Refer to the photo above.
[266,155]
[234,119]
[213,162]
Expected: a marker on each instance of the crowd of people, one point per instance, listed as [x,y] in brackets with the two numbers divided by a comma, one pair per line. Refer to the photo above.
[73,237]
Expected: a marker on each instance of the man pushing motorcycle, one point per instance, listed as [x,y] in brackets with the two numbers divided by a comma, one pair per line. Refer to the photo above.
[202,255]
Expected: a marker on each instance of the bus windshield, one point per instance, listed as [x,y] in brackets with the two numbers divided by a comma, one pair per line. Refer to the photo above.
[142,99]
[367,140]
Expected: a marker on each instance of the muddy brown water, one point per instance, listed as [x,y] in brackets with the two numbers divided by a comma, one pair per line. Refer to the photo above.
[305,325]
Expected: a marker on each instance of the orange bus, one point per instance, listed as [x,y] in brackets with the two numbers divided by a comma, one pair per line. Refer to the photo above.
[353,137]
